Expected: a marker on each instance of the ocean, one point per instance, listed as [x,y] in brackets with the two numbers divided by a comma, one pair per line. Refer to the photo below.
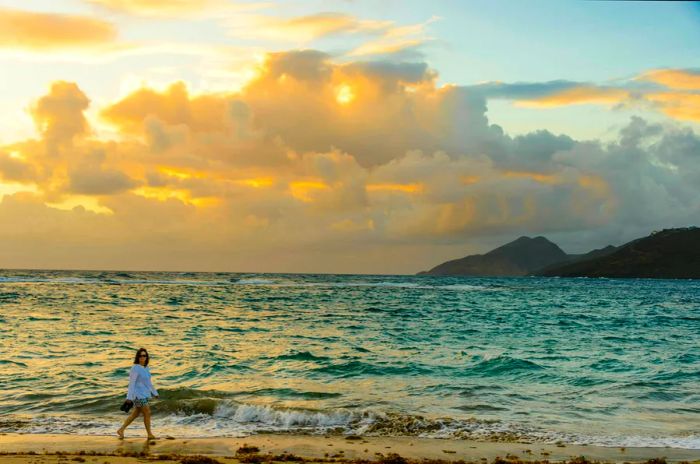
[597,361]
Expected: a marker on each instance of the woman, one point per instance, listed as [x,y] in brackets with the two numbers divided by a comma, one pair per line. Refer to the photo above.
[140,389]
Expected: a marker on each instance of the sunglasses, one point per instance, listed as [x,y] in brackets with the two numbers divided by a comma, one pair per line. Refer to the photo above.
[143,356]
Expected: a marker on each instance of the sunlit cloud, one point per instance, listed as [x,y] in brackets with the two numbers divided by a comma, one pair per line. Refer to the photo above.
[306,190]
[397,40]
[311,151]
[404,188]
[46,32]
[157,8]
[535,176]
[59,114]
[88,203]
[379,37]
[673,93]
[678,105]
[11,188]
[675,78]
[304,29]
[577,96]
[387,47]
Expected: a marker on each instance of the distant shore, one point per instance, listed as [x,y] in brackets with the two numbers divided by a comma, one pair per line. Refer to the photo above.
[49,448]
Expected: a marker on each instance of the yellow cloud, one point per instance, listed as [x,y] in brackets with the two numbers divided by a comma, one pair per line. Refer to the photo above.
[173,106]
[536,176]
[576,96]
[155,7]
[384,47]
[59,115]
[43,32]
[678,105]
[166,193]
[282,163]
[405,188]
[396,39]
[307,28]
[70,202]
[674,78]
[10,188]
[257,182]
[306,190]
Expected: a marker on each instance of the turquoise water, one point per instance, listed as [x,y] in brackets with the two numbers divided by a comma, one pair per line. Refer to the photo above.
[597,361]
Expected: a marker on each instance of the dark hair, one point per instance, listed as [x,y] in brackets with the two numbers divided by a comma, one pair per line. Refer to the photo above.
[138,352]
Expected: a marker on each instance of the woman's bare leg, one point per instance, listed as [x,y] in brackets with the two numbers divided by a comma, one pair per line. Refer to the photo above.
[147,420]
[134,414]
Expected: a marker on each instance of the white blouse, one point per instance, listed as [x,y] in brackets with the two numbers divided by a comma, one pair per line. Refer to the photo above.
[140,385]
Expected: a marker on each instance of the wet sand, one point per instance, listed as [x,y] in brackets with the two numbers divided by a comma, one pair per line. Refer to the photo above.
[14,448]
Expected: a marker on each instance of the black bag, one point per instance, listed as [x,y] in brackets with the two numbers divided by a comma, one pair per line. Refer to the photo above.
[127,405]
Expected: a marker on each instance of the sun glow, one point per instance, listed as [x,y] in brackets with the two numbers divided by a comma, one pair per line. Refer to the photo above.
[344,94]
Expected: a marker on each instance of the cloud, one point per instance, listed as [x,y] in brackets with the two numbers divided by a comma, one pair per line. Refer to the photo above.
[682,79]
[314,163]
[172,107]
[579,95]
[305,28]
[59,115]
[156,8]
[678,105]
[399,41]
[376,37]
[553,93]
[45,32]
[91,178]
[13,168]
[672,92]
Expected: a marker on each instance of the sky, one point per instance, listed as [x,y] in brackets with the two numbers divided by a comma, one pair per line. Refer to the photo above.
[340,136]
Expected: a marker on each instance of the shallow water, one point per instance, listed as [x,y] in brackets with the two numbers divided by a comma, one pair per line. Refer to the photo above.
[581,360]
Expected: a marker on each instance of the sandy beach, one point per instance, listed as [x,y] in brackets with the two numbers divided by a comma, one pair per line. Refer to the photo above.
[38,448]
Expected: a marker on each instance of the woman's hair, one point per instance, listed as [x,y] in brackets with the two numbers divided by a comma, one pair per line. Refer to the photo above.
[138,352]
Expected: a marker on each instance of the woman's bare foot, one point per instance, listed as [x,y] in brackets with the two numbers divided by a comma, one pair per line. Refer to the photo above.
[120,433]
[151,437]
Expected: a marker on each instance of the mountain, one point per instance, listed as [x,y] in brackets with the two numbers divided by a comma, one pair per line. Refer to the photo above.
[517,258]
[577,258]
[668,254]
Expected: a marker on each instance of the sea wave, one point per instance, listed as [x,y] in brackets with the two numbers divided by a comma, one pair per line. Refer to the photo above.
[505,366]
[211,417]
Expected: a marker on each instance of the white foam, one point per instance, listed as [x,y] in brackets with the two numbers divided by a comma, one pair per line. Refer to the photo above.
[254,281]
[466,287]
[232,419]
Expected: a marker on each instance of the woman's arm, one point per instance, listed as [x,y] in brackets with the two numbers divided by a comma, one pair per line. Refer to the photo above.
[151,387]
[133,375]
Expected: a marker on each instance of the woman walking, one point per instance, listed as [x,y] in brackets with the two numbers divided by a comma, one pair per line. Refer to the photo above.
[140,389]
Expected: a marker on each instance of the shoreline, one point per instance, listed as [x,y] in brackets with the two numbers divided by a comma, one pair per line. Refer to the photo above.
[325,447]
